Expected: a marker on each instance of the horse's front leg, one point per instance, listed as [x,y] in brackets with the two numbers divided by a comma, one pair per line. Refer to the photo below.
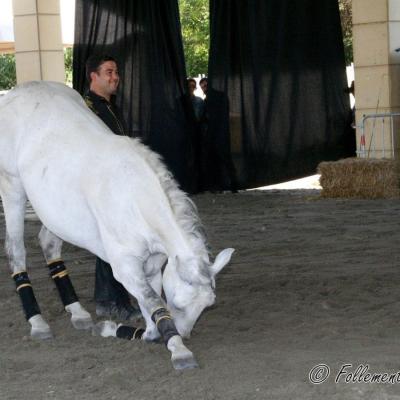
[51,246]
[152,270]
[131,273]
[14,203]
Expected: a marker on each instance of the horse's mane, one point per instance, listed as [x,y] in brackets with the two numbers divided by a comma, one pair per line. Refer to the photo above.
[182,206]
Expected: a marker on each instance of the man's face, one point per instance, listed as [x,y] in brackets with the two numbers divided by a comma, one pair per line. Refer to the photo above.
[192,87]
[105,80]
[204,86]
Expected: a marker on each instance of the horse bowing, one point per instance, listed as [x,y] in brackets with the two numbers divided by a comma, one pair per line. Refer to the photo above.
[110,195]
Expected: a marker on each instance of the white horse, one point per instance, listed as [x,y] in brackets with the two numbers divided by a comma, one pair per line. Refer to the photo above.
[110,195]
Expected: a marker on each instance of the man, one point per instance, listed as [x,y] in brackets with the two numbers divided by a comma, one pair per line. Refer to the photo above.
[217,168]
[111,297]
[197,102]
[204,86]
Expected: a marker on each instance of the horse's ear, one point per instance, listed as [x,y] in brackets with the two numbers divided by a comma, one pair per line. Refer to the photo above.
[190,272]
[220,261]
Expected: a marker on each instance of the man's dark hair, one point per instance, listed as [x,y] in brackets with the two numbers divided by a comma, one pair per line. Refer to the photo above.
[205,79]
[191,80]
[94,61]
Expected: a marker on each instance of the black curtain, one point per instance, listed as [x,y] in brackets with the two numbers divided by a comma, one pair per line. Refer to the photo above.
[278,104]
[145,37]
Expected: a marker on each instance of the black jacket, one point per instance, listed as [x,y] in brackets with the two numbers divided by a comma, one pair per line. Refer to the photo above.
[107,111]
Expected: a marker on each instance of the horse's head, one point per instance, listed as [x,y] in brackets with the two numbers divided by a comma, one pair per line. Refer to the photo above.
[189,288]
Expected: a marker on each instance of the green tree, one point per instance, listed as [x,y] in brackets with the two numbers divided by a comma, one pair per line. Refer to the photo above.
[8,74]
[346,17]
[194,16]
[68,65]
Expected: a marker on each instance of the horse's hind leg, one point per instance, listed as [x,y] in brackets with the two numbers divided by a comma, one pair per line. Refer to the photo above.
[51,246]
[14,202]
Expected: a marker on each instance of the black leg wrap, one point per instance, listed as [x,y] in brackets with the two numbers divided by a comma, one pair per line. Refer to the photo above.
[165,324]
[129,332]
[25,291]
[64,285]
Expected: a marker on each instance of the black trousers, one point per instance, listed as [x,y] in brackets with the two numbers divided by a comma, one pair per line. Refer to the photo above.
[106,288]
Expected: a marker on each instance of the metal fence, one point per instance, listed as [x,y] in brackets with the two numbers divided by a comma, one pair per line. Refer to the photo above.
[378,135]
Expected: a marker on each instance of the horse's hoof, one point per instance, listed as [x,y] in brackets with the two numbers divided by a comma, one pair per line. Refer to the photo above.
[41,334]
[105,329]
[184,363]
[82,323]
[152,337]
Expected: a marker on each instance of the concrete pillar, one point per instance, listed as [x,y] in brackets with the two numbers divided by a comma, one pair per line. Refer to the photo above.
[38,44]
[376,36]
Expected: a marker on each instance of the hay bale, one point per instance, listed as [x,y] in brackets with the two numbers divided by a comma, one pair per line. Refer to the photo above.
[361,178]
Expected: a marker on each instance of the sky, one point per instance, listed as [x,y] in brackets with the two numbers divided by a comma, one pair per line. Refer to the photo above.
[67,8]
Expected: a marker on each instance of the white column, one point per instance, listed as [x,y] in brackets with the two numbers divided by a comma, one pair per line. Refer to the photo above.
[376,35]
[38,44]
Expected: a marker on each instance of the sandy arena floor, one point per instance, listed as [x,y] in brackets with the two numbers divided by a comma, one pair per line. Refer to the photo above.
[313,281]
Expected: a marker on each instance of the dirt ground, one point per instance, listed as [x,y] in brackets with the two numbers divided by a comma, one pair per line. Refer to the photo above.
[313,281]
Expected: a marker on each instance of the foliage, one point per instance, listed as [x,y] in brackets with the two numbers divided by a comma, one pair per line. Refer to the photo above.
[8,74]
[68,65]
[346,17]
[194,16]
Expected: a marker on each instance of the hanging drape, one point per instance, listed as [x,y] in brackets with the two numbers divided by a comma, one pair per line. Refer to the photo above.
[145,38]
[277,104]
[278,80]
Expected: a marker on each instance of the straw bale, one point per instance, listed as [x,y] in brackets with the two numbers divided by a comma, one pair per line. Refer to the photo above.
[361,178]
